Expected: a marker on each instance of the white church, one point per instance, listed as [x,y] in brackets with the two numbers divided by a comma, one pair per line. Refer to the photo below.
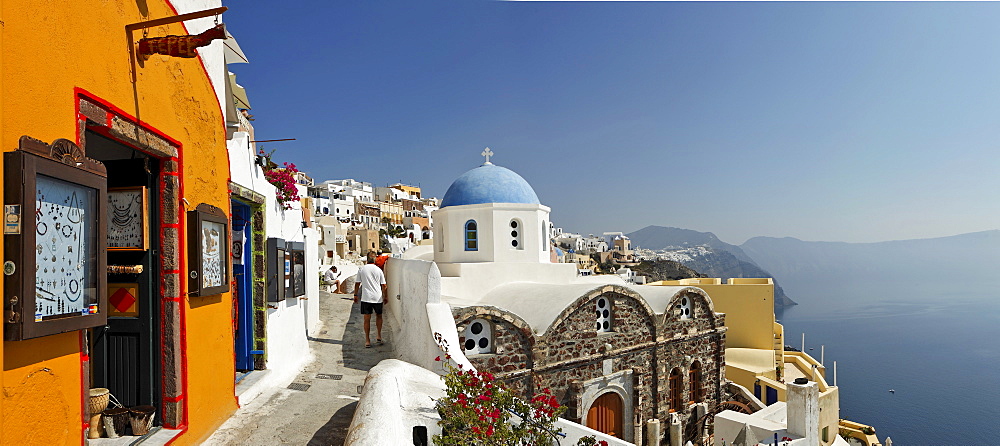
[634,364]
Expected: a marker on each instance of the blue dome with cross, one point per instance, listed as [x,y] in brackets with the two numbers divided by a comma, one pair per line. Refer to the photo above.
[489,183]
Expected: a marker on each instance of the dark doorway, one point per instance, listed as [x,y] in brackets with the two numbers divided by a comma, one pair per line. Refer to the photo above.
[123,353]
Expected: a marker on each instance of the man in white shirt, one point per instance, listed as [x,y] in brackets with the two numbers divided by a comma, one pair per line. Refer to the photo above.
[370,290]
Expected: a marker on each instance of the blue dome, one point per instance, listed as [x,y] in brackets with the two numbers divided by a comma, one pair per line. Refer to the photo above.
[489,184]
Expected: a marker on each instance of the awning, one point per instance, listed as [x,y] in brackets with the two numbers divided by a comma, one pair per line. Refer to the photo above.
[233,52]
[239,93]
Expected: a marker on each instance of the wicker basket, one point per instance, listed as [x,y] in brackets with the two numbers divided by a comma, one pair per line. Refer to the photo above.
[116,421]
[141,418]
[99,399]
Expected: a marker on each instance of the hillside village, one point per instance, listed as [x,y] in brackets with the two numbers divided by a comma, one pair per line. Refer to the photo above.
[202,259]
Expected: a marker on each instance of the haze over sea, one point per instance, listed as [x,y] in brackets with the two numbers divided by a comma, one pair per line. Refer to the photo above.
[934,341]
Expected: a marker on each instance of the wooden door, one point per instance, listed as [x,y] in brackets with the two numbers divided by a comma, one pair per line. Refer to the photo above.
[605,415]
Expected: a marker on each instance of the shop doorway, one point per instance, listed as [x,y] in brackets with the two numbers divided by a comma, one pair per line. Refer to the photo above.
[243,276]
[124,352]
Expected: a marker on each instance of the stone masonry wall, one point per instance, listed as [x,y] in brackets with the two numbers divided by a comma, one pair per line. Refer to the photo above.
[572,352]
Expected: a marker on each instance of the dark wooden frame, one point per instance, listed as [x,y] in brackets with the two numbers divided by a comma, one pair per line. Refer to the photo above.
[144,244]
[275,277]
[196,270]
[65,161]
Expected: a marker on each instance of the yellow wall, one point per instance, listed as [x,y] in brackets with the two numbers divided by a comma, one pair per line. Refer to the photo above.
[48,50]
[749,308]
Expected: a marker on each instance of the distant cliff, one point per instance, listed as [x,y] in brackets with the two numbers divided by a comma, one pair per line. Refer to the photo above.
[704,253]
[971,260]
[658,270]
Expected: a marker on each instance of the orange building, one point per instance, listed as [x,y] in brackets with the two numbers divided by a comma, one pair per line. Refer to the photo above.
[67,74]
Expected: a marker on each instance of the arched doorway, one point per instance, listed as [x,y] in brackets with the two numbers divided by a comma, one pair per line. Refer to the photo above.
[605,415]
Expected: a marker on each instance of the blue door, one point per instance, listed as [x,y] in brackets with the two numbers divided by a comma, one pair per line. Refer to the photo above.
[772,395]
[243,275]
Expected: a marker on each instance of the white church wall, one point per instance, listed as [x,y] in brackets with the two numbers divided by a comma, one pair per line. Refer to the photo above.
[417,314]
[493,233]
[471,281]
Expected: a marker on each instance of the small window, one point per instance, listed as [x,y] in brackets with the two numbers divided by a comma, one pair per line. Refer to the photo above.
[695,392]
[471,236]
[676,390]
[545,238]
[515,234]
[603,314]
[684,307]
[478,337]
[826,434]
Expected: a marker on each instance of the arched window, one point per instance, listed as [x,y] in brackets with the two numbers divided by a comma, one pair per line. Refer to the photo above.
[478,337]
[515,234]
[684,307]
[695,391]
[603,314]
[676,390]
[471,236]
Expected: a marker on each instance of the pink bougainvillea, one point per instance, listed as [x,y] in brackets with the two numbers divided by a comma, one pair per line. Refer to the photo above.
[283,178]
[479,410]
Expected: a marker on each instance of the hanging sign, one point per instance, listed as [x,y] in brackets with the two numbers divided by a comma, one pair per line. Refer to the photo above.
[180,46]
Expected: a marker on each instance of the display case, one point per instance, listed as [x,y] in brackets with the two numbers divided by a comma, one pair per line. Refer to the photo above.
[128,220]
[276,269]
[297,264]
[55,239]
[208,229]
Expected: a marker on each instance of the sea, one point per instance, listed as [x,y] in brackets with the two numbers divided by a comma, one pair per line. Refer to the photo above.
[917,360]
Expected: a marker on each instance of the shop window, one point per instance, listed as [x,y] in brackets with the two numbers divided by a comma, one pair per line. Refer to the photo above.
[55,220]
[209,253]
[515,234]
[471,236]
[603,314]
[478,337]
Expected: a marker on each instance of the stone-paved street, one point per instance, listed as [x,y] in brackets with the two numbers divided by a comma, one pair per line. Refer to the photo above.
[321,414]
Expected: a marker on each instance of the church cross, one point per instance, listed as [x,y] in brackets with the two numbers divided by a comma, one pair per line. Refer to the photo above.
[487,153]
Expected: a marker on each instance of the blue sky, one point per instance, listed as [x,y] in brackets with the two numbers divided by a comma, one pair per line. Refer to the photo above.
[821,121]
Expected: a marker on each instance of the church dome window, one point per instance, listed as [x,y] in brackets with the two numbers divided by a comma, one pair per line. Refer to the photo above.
[478,337]
[471,236]
[515,234]
[603,314]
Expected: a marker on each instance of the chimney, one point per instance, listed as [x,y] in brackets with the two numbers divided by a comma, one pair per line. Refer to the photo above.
[803,410]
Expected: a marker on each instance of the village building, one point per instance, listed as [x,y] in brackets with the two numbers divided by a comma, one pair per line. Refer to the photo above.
[125,131]
[275,257]
[487,288]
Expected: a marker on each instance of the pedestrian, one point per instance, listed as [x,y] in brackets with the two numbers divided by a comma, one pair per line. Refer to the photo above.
[370,290]
[332,275]
[380,261]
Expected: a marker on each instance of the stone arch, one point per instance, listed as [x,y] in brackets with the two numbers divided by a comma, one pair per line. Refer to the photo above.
[702,306]
[588,299]
[504,323]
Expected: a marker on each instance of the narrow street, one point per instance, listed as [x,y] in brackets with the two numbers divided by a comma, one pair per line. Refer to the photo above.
[321,412]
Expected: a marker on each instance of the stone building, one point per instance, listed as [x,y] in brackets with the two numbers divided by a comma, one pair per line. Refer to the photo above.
[616,354]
